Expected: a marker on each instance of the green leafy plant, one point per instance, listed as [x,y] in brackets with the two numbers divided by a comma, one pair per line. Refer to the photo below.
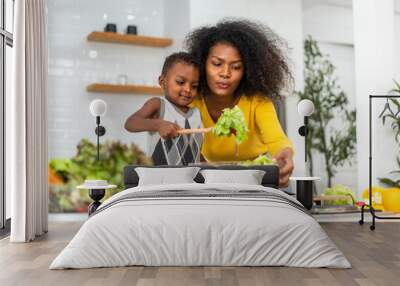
[337,146]
[232,118]
[391,111]
[114,156]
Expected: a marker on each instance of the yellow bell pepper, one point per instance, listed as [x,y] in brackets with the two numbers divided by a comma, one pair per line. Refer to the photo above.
[391,199]
[377,197]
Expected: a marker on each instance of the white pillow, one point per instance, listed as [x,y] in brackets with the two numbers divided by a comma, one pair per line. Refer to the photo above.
[166,176]
[248,177]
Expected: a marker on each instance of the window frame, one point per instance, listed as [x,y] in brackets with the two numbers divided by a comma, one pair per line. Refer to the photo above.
[6,39]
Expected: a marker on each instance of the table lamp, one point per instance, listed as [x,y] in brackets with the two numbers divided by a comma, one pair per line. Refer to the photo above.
[98,109]
[305,185]
[305,108]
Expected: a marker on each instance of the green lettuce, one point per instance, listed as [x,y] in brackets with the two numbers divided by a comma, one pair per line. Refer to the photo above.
[231,119]
[260,160]
[338,189]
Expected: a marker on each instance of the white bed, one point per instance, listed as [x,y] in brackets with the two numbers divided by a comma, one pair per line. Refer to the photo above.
[222,225]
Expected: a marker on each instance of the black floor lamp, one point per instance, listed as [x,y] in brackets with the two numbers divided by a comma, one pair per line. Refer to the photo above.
[371,208]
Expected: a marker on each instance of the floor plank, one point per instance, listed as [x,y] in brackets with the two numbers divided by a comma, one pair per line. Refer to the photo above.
[374,255]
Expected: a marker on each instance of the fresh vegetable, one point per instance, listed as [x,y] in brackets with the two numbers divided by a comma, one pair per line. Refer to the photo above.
[338,189]
[231,121]
[260,160]
[67,173]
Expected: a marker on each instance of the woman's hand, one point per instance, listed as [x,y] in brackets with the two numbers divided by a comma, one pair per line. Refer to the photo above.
[168,129]
[284,159]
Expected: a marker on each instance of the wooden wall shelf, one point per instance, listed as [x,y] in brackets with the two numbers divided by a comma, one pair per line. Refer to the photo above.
[115,88]
[110,37]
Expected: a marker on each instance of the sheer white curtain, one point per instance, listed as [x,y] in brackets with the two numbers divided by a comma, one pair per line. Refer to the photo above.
[27,123]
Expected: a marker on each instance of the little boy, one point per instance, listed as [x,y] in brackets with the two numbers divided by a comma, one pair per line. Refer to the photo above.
[163,117]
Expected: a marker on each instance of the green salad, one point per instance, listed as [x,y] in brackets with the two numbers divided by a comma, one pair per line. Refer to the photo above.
[260,160]
[339,189]
[231,121]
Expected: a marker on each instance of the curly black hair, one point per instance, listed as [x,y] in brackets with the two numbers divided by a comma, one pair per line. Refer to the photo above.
[179,57]
[266,70]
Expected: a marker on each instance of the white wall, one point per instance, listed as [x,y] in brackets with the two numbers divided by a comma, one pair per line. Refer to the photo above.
[374,36]
[176,25]
[331,25]
[385,148]
[397,39]
[328,23]
[74,63]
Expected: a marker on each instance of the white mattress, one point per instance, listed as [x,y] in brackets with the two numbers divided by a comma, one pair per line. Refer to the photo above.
[189,231]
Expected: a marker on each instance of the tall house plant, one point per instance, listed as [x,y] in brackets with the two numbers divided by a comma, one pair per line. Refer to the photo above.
[337,146]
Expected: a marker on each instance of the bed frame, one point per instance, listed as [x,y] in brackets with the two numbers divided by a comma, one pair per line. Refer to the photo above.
[270,179]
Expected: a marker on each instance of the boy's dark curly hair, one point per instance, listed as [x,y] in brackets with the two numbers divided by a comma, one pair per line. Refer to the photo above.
[179,57]
[266,70]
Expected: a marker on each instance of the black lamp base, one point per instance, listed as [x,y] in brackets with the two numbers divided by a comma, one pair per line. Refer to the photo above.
[100,130]
[96,195]
[302,130]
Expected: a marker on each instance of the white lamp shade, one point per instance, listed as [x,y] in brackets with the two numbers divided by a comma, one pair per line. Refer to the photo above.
[305,107]
[98,107]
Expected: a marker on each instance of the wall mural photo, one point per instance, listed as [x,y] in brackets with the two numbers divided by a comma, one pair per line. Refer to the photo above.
[118,54]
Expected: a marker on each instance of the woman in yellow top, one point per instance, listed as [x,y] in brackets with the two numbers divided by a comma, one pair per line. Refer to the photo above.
[241,63]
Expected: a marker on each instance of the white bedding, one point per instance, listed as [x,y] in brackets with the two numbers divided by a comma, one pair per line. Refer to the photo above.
[183,231]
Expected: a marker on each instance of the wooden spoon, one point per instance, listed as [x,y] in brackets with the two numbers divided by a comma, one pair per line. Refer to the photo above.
[195,130]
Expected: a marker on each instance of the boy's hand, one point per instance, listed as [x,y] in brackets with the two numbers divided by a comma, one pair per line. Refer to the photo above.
[168,129]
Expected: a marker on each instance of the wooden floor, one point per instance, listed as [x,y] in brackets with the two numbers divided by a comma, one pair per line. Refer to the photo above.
[375,256]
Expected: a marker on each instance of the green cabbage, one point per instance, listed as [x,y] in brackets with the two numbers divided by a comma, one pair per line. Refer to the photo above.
[260,160]
[338,189]
[231,119]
